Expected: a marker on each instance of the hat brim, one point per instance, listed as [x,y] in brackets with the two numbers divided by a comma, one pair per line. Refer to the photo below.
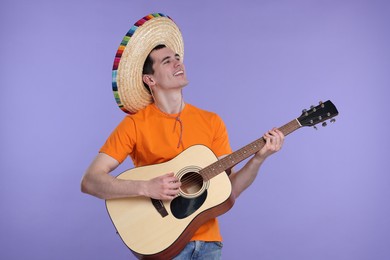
[147,33]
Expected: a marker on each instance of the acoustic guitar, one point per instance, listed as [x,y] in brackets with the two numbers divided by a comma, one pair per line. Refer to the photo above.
[155,229]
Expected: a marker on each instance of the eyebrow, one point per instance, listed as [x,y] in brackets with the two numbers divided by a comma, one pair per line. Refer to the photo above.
[168,57]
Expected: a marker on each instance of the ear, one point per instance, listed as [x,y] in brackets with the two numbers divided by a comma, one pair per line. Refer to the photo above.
[148,79]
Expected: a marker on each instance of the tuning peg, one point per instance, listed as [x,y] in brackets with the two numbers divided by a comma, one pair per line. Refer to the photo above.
[333,120]
[324,124]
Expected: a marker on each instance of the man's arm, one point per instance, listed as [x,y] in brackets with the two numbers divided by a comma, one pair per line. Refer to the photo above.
[98,182]
[243,178]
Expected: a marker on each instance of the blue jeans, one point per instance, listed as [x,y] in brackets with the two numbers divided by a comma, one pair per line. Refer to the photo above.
[200,250]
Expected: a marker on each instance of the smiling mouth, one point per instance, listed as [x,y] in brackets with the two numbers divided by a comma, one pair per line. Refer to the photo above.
[178,73]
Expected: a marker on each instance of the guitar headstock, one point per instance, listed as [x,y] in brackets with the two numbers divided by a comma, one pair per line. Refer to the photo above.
[318,114]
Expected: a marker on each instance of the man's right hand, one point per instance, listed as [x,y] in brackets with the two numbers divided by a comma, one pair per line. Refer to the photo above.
[165,187]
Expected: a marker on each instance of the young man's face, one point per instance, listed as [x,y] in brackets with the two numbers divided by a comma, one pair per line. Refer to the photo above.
[169,71]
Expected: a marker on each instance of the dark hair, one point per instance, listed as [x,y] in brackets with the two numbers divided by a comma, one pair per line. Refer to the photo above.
[148,65]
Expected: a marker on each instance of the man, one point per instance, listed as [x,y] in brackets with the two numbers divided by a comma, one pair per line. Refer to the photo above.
[149,76]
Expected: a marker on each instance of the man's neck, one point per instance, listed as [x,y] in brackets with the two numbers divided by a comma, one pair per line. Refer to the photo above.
[170,104]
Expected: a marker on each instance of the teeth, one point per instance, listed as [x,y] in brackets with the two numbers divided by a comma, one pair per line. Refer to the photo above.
[178,73]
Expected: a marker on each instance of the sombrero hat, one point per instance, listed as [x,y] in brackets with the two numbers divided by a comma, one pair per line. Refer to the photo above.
[148,32]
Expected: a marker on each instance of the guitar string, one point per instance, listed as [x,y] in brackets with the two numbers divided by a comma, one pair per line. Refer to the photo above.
[251,148]
[286,129]
[217,169]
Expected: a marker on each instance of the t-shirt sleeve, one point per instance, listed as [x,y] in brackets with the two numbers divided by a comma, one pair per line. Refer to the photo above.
[220,145]
[121,142]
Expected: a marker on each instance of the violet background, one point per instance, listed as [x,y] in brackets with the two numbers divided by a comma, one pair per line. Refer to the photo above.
[257,64]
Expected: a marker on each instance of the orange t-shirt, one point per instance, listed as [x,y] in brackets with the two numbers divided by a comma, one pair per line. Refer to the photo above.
[152,137]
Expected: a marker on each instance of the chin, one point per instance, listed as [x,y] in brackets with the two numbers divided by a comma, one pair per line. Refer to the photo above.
[185,83]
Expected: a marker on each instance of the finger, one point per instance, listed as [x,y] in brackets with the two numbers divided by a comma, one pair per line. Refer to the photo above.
[272,141]
[279,134]
[270,135]
[170,177]
[166,197]
[175,185]
[172,194]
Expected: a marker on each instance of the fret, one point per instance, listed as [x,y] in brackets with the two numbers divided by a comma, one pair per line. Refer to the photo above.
[238,156]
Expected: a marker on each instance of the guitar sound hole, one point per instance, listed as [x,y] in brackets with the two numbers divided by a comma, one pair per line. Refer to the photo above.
[191,183]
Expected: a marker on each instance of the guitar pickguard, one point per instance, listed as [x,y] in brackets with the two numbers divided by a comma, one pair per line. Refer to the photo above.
[183,207]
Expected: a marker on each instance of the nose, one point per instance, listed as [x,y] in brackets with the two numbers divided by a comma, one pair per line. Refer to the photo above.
[177,63]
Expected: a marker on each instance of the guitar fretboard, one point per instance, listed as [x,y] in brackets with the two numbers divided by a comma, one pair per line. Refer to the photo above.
[238,156]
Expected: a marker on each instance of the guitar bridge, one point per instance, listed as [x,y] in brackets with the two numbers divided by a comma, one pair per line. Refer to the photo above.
[160,207]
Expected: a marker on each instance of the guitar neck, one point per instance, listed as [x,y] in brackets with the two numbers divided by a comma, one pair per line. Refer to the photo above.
[238,156]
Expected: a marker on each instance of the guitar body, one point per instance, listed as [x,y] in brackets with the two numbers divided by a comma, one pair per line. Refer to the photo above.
[161,229]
